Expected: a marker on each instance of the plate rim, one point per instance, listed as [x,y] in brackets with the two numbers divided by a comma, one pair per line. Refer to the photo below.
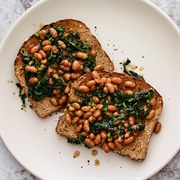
[149,3]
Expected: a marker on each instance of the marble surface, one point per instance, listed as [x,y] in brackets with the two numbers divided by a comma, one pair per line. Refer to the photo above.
[10,169]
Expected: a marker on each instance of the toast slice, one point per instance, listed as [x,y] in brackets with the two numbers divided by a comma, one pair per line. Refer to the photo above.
[128,113]
[49,51]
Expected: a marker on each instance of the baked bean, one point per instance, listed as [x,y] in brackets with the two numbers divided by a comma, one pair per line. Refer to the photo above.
[79,113]
[79,128]
[106,147]
[84,89]
[62,100]
[97,139]
[111,145]
[76,105]
[42,66]
[75,75]
[110,88]
[86,126]
[31,62]
[54,49]
[90,118]
[116,80]
[153,101]
[56,76]
[33,80]
[129,140]
[100,118]
[66,90]
[129,84]
[56,91]
[99,68]
[126,125]
[93,109]
[53,32]
[34,49]
[127,135]
[89,142]
[103,134]
[109,139]
[31,69]
[117,144]
[54,101]
[131,120]
[44,61]
[87,115]
[68,118]
[81,55]
[47,48]
[60,72]
[95,75]
[67,76]
[115,113]
[119,139]
[38,56]
[65,35]
[151,114]
[108,80]
[76,66]
[93,88]
[75,120]
[81,121]
[65,62]
[46,42]
[95,99]
[50,81]
[43,54]
[55,66]
[97,113]
[129,92]
[64,68]
[105,89]
[71,109]
[103,81]
[86,108]
[99,106]
[91,136]
[157,127]
[111,108]
[88,70]
[50,71]
[93,53]
[62,44]
[90,83]
[42,34]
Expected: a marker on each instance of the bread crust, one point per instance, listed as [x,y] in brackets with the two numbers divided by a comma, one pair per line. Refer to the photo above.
[136,150]
[44,108]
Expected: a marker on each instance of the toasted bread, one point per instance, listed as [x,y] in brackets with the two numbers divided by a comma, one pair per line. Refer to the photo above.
[135,150]
[44,107]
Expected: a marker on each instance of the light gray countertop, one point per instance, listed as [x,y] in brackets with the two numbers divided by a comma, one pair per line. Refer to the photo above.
[10,169]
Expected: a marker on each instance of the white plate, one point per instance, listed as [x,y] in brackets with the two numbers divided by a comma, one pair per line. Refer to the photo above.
[133,29]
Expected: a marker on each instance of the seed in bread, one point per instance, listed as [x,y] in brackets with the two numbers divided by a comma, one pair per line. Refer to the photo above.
[112,119]
[54,57]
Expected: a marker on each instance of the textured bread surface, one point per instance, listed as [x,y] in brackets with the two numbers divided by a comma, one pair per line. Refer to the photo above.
[44,108]
[136,150]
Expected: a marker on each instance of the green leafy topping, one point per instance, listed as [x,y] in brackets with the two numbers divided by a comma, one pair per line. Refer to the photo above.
[129,72]
[42,89]
[77,140]
[21,95]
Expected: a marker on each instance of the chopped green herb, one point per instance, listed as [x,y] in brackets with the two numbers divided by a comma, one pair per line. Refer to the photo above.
[129,72]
